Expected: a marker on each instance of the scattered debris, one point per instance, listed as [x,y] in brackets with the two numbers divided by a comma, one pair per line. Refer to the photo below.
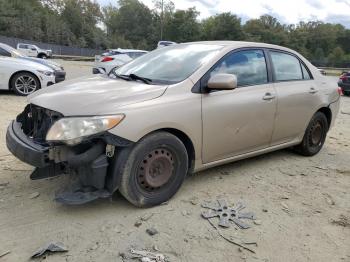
[342,221]
[4,184]
[34,195]
[265,210]
[51,247]
[5,253]
[230,240]
[147,217]
[257,222]
[152,231]
[138,224]
[285,207]
[186,213]
[343,171]
[321,168]
[329,199]
[146,256]
[345,113]
[227,214]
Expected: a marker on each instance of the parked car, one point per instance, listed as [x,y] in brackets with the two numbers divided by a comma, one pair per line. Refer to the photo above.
[173,111]
[60,74]
[115,58]
[34,51]
[24,77]
[165,43]
[344,83]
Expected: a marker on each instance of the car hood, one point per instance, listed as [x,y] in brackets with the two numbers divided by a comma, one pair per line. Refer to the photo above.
[96,95]
[52,65]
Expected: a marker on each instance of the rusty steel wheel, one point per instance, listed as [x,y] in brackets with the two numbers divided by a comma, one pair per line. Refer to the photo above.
[152,171]
[156,169]
[315,136]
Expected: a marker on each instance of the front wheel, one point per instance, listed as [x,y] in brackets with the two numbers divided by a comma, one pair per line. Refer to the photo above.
[154,170]
[315,136]
[24,83]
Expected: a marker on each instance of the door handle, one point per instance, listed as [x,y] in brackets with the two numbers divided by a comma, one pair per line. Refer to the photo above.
[269,96]
[313,90]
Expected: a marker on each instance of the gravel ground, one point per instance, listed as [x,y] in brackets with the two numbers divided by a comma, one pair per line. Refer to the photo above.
[302,207]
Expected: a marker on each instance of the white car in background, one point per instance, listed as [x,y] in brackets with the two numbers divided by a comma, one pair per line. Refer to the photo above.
[34,51]
[165,43]
[24,77]
[115,58]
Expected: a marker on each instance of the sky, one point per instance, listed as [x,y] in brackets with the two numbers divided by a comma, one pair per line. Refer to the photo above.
[287,11]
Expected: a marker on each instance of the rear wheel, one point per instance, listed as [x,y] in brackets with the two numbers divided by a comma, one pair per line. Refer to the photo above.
[154,170]
[42,56]
[346,93]
[24,83]
[315,135]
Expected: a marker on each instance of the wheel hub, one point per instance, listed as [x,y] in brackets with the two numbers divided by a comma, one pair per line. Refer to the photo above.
[316,134]
[156,169]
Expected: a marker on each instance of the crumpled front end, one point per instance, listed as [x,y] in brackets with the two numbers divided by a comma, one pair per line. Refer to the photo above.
[91,160]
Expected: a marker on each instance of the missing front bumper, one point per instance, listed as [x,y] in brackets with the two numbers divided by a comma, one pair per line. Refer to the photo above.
[89,162]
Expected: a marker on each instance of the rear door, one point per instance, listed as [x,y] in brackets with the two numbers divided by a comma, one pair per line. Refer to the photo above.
[297,94]
[241,120]
[23,49]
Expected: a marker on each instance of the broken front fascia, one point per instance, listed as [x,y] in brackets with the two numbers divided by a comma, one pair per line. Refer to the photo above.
[91,160]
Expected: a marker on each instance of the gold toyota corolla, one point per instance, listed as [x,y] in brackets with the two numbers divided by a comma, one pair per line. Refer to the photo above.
[173,111]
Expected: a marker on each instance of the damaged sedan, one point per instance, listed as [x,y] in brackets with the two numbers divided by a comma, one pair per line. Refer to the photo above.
[171,112]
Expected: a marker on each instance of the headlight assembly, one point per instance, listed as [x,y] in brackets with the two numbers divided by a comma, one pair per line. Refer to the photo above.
[72,130]
[47,73]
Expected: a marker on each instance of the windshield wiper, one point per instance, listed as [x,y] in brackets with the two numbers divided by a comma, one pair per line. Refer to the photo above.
[133,77]
[143,79]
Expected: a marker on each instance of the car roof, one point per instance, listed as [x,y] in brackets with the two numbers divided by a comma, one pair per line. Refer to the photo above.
[241,44]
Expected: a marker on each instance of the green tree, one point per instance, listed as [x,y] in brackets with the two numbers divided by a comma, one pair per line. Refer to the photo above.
[225,26]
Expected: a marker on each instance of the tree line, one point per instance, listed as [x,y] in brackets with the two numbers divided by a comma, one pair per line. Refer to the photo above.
[132,24]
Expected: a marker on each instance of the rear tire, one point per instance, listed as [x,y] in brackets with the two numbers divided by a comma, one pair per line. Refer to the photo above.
[154,170]
[346,93]
[315,136]
[42,56]
[24,83]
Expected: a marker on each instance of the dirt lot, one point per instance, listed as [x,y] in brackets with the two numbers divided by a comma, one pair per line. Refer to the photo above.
[302,206]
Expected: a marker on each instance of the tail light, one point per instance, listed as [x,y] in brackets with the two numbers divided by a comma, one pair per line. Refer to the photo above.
[340,91]
[107,59]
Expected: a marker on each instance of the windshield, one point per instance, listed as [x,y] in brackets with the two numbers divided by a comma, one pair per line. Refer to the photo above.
[10,49]
[170,65]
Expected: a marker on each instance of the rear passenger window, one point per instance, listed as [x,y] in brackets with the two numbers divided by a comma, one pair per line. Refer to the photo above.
[286,67]
[306,73]
[248,66]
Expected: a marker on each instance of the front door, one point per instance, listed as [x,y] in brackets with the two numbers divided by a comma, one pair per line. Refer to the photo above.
[241,120]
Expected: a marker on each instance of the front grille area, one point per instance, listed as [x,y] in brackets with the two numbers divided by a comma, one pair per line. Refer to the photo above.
[36,121]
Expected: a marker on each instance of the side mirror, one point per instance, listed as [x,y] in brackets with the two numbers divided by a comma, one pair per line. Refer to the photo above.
[222,82]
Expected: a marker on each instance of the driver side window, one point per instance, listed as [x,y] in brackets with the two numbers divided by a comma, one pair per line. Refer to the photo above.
[249,66]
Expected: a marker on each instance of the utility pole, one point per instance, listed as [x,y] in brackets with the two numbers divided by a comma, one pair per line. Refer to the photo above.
[161,19]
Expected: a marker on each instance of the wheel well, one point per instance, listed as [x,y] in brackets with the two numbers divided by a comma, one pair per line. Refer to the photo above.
[40,54]
[187,142]
[14,74]
[328,113]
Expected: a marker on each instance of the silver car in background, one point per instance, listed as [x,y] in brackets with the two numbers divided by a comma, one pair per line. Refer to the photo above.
[115,58]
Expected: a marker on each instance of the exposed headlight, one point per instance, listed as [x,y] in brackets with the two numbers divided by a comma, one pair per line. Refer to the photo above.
[72,130]
[47,73]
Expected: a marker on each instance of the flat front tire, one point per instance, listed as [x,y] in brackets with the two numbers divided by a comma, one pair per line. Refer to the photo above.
[154,170]
[315,136]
